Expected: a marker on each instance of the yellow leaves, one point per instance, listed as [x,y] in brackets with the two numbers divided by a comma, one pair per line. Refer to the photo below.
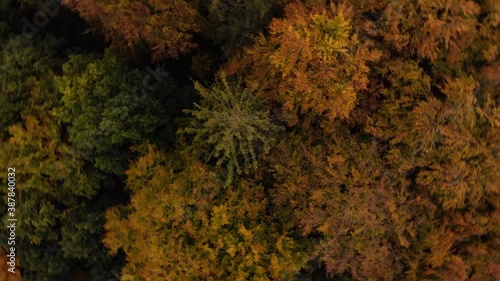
[145,167]
[220,217]
[275,265]
[118,232]
[491,53]
[284,262]
[246,234]
[223,234]
[232,249]
[426,125]
[332,38]
[330,49]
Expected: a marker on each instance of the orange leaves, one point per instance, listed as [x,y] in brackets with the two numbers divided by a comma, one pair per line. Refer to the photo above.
[145,168]
[441,259]
[335,186]
[432,29]
[165,26]
[313,61]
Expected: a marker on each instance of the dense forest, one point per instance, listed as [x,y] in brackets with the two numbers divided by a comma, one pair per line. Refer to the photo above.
[239,140]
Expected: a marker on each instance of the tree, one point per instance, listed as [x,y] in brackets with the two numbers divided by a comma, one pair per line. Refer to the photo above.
[360,225]
[181,223]
[449,144]
[232,124]
[312,62]
[436,122]
[105,110]
[60,214]
[413,183]
[166,27]
[20,63]
[387,169]
[435,30]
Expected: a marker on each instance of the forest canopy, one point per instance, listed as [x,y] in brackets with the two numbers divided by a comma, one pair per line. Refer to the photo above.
[279,140]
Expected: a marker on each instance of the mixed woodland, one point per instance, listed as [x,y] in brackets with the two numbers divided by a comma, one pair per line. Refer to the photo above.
[265,140]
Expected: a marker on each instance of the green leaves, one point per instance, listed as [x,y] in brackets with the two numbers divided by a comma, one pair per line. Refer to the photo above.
[232,124]
[23,64]
[55,186]
[105,115]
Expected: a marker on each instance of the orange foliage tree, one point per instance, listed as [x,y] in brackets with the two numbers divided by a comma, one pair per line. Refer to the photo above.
[166,27]
[313,61]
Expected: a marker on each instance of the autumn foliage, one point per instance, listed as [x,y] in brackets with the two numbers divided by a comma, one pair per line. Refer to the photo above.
[304,140]
[165,26]
[184,226]
[312,61]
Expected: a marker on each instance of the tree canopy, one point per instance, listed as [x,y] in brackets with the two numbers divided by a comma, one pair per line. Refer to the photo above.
[301,140]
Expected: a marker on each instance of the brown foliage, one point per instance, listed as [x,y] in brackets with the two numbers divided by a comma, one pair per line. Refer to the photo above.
[167,27]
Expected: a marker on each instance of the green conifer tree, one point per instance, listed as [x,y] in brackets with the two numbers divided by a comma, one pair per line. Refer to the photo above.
[232,124]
